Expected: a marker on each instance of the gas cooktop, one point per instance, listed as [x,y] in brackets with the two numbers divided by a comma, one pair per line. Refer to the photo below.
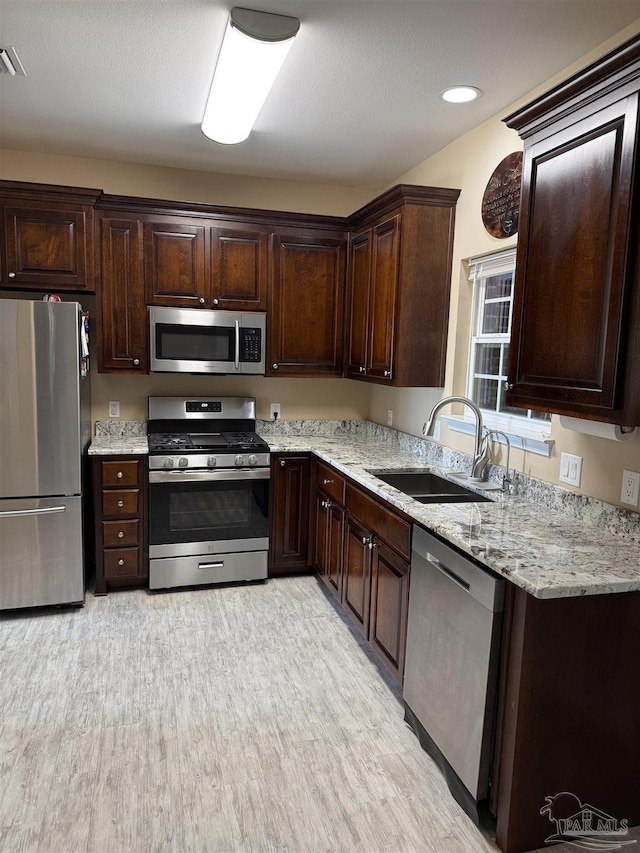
[194,442]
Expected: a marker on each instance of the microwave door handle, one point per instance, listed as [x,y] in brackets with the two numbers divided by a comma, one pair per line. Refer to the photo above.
[237,345]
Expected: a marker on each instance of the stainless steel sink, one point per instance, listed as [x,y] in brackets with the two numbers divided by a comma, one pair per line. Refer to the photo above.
[427,487]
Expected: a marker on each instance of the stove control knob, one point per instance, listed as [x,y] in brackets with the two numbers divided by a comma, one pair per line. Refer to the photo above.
[212,461]
[253,459]
[183,462]
[167,462]
[239,460]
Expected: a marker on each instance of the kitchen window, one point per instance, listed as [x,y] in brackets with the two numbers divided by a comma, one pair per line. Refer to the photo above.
[492,277]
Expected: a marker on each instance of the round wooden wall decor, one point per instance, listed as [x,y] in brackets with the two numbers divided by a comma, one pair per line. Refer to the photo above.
[501,199]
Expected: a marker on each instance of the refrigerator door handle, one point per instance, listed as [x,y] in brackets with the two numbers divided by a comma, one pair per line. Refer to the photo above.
[11,513]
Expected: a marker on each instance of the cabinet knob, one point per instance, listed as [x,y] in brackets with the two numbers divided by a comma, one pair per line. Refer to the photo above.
[274,366]
[12,275]
[365,541]
[508,386]
[361,370]
[215,301]
[120,503]
[121,562]
[119,475]
[326,482]
[282,463]
[387,373]
[136,362]
[201,300]
[372,545]
[120,534]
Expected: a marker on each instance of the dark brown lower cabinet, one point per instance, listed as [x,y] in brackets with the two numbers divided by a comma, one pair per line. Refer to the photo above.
[328,531]
[120,517]
[389,607]
[356,573]
[569,718]
[289,513]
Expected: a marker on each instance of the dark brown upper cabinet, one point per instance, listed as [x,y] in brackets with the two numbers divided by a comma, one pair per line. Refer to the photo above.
[399,283]
[575,345]
[174,263]
[48,237]
[239,258]
[306,304]
[122,314]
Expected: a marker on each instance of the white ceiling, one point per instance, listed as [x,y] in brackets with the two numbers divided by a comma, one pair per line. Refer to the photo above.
[356,102]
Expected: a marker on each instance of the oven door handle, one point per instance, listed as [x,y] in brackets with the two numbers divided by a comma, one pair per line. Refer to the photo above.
[209,476]
[237,364]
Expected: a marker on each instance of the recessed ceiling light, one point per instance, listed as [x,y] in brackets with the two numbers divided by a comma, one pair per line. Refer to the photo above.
[460,94]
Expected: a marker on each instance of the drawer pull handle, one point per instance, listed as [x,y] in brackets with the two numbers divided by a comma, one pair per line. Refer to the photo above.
[121,503]
[121,562]
[217,565]
[120,534]
[120,475]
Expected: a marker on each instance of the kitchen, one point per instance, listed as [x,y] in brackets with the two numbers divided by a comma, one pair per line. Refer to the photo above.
[466,163]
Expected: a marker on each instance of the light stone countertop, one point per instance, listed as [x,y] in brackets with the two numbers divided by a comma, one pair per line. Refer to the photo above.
[556,550]
[545,551]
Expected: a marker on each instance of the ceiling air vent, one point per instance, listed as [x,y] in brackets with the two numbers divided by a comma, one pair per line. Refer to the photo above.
[10,64]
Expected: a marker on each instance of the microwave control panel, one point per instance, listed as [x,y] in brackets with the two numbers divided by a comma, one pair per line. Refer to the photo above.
[250,344]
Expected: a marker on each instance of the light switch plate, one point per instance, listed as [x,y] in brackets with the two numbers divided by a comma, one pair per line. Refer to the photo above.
[570,469]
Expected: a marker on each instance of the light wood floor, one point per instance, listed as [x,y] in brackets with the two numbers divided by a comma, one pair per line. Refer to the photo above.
[232,719]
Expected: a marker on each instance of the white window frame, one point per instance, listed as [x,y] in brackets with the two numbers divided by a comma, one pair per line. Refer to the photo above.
[526,431]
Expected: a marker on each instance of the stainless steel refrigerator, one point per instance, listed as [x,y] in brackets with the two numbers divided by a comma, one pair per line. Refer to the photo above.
[45,428]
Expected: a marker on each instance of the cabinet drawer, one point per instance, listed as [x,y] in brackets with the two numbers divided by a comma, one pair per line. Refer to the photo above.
[121,562]
[330,482]
[122,503]
[121,473]
[119,534]
[384,523]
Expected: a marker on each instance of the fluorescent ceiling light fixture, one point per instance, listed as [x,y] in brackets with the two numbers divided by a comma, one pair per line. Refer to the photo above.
[460,94]
[254,47]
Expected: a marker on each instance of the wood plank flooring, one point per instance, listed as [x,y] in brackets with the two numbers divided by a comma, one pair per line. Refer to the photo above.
[245,718]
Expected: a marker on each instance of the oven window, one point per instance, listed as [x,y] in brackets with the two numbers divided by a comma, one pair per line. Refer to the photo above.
[194,343]
[208,511]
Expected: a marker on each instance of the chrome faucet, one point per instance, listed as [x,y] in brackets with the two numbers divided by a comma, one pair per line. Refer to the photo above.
[507,481]
[481,450]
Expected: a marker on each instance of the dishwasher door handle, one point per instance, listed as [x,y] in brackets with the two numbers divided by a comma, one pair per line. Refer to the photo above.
[435,562]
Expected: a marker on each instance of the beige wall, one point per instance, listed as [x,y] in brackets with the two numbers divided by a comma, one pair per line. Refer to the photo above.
[466,164]
[137,179]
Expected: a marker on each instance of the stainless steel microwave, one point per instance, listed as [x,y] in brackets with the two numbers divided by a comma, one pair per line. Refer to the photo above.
[192,340]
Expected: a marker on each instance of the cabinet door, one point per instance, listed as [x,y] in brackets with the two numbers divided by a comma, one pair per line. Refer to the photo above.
[49,247]
[289,505]
[328,542]
[356,573]
[122,328]
[306,306]
[573,270]
[360,258]
[389,606]
[174,263]
[382,299]
[239,268]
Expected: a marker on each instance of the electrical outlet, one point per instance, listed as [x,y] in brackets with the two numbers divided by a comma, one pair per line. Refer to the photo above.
[389,417]
[274,411]
[114,409]
[630,488]
[570,469]
[436,431]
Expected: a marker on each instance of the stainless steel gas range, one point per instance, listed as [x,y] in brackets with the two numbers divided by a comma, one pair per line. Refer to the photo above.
[208,492]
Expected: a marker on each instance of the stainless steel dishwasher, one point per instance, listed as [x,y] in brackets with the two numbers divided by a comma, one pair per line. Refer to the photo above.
[451,667]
